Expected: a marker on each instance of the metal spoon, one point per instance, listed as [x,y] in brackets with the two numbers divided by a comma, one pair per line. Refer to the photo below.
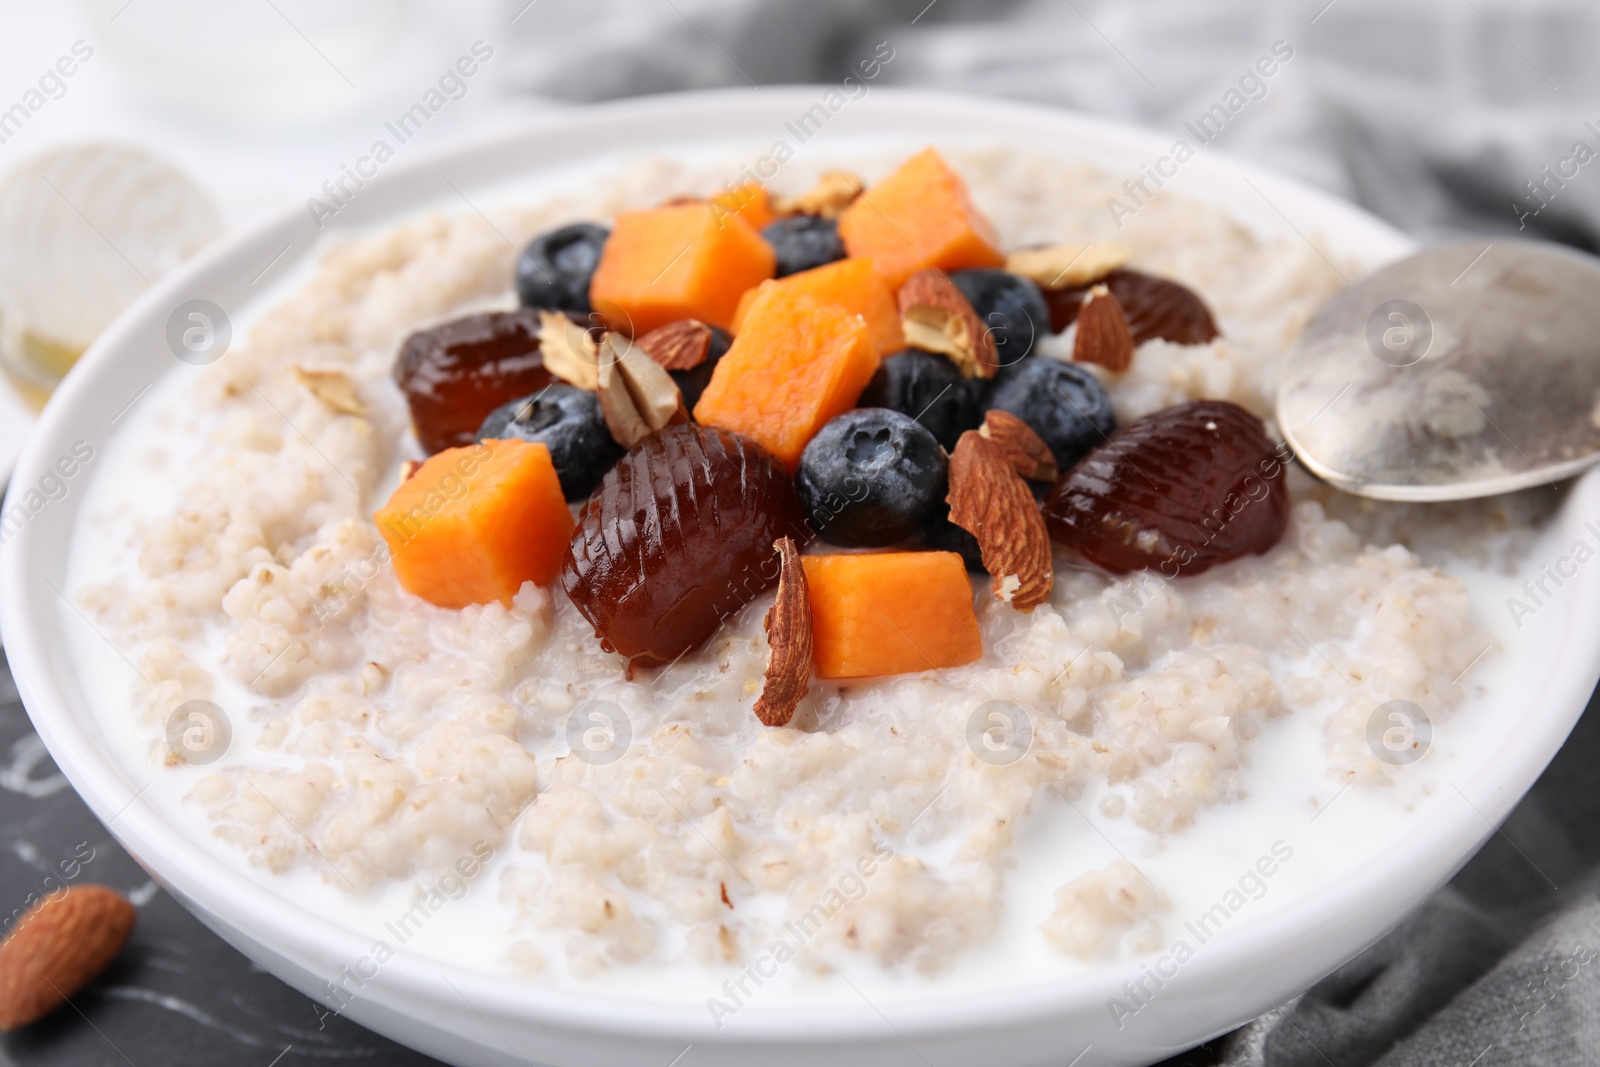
[1456,372]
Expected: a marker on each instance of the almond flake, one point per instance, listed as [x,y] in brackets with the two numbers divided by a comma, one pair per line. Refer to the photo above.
[332,388]
[989,499]
[568,351]
[936,317]
[637,397]
[1103,333]
[788,626]
[1025,449]
[834,191]
[1067,266]
[408,468]
[681,345]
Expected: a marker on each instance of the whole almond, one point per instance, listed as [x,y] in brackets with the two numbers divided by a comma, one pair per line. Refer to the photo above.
[681,345]
[59,946]
[1103,334]
[989,499]
[1025,449]
[788,626]
[937,317]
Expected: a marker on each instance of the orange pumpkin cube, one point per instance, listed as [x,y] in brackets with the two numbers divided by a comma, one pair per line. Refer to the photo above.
[686,261]
[750,201]
[473,523]
[851,284]
[890,613]
[797,364]
[919,217]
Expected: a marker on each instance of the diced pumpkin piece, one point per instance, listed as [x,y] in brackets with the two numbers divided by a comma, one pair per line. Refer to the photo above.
[797,364]
[851,284]
[748,200]
[919,217]
[683,261]
[890,613]
[473,523]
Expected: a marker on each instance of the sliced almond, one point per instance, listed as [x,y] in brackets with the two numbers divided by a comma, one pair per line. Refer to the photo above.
[989,499]
[637,397]
[834,191]
[408,468]
[1068,266]
[681,345]
[935,316]
[1103,333]
[1025,449]
[568,351]
[332,388]
[788,626]
[59,946]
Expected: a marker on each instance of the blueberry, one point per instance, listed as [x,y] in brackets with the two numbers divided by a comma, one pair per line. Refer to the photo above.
[942,535]
[693,382]
[567,421]
[1063,403]
[929,388]
[871,477]
[803,242]
[554,270]
[1011,306]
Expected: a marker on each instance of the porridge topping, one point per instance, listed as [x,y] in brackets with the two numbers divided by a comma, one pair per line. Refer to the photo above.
[882,613]
[471,525]
[788,499]
[681,345]
[827,199]
[1155,307]
[929,388]
[935,316]
[1024,449]
[871,478]
[919,217]
[1067,266]
[1103,334]
[567,421]
[788,626]
[555,269]
[1010,307]
[571,352]
[991,501]
[455,374]
[1064,404]
[678,536]
[803,242]
[1178,491]
[637,397]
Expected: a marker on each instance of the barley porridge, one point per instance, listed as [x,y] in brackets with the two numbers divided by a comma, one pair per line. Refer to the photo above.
[389,755]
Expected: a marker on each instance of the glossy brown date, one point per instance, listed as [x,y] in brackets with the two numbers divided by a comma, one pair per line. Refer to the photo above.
[1155,307]
[1178,492]
[677,537]
[455,373]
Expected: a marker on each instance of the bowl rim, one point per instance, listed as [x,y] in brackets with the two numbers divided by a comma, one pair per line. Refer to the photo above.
[1441,841]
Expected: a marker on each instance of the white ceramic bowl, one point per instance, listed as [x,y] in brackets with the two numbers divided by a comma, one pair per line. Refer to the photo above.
[471,1018]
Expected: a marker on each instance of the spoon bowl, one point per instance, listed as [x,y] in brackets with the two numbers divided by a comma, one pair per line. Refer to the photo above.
[1465,370]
